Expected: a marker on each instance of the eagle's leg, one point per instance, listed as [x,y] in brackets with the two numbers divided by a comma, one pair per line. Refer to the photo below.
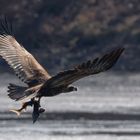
[24,106]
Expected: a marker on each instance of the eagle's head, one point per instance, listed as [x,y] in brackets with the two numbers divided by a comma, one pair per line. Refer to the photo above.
[71,88]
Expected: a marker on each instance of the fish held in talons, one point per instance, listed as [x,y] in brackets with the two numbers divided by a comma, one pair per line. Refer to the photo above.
[17,111]
[37,110]
[24,106]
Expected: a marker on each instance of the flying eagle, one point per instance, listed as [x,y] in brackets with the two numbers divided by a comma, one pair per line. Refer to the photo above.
[38,81]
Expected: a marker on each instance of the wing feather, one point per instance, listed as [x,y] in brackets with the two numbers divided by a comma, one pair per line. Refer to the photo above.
[85,69]
[23,63]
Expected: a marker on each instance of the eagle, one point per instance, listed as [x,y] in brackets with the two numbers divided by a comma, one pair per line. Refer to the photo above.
[39,83]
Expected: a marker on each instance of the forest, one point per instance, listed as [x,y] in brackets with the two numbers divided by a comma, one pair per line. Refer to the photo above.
[63,33]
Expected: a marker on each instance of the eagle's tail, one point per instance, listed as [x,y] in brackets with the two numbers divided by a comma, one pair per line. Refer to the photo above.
[16,92]
[22,93]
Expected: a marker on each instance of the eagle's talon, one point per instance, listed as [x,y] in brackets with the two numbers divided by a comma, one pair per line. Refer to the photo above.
[41,110]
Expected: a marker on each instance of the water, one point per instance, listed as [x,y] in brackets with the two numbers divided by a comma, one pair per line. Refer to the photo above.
[105,107]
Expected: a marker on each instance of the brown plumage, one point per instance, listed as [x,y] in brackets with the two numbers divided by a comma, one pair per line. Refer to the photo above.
[39,82]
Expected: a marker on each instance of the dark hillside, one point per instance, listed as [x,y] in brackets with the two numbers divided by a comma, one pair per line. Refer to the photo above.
[62,33]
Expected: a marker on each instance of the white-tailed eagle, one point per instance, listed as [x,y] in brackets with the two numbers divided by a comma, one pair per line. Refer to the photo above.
[39,82]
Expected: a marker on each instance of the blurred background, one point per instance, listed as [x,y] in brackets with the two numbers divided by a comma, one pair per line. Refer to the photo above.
[64,33]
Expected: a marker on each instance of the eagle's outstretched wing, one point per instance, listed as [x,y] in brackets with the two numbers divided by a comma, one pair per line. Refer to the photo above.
[89,68]
[24,64]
